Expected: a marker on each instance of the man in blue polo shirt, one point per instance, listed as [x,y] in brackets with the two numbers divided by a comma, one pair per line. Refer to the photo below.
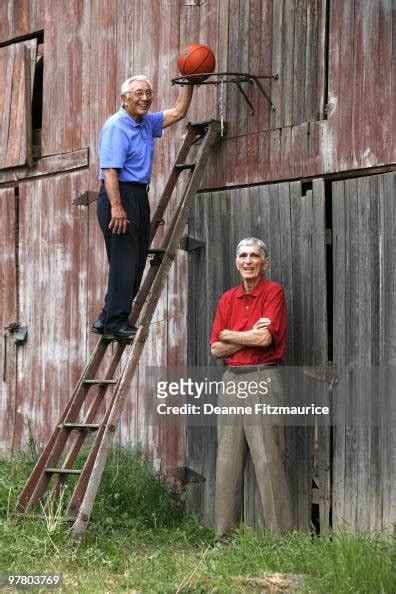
[126,145]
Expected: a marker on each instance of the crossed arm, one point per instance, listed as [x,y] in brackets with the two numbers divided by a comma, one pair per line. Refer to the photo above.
[232,341]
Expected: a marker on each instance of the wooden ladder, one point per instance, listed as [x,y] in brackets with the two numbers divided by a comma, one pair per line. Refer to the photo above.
[70,433]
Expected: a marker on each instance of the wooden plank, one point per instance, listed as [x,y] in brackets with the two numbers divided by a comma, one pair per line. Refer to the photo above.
[77,70]
[263,165]
[277,51]
[274,171]
[387,337]
[241,173]
[312,54]
[233,65]
[6,72]
[16,142]
[8,315]
[393,75]
[197,344]
[26,148]
[232,160]
[222,57]
[299,70]
[265,67]
[298,272]
[283,269]
[313,161]
[358,78]
[340,316]
[253,65]
[16,105]
[291,59]
[4,21]
[319,284]
[48,76]
[45,166]
[208,35]
[352,312]
[297,157]
[385,115]
[272,234]
[242,112]
[285,152]
[123,21]
[22,20]
[322,59]
[364,443]
[372,144]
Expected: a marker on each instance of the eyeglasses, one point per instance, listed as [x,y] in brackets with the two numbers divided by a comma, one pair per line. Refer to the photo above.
[139,94]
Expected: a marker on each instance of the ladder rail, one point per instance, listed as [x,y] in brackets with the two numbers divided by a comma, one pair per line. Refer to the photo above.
[193,132]
[148,280]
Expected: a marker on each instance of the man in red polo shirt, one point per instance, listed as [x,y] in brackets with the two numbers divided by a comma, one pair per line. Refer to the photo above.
[249,333]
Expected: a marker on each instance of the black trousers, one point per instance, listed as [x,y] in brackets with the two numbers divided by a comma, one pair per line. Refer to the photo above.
[126,253]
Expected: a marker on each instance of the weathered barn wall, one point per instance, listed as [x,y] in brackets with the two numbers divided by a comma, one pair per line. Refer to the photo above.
[334,113]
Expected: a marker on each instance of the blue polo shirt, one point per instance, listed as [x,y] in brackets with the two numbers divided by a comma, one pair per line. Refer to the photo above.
[128,145]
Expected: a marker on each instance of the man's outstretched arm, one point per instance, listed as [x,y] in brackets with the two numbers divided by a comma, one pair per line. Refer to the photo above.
[179,109]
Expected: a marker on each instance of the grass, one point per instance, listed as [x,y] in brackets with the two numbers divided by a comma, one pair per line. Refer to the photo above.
[141,538]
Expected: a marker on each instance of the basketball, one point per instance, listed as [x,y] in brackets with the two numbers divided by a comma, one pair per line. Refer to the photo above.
[196,58]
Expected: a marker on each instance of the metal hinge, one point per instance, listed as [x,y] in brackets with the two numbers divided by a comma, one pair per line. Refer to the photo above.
[189,244]
[20,332]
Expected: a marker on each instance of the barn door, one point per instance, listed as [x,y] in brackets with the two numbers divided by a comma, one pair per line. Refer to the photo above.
[17,66]
[364,228]
[290,218]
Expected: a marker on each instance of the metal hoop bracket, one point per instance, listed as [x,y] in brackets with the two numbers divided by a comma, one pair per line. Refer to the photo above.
[237,78]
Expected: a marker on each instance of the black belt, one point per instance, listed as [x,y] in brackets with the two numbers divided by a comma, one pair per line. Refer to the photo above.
[133,183]
[250,368]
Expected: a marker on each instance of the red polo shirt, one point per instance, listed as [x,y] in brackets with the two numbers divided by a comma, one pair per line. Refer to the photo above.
[238,310]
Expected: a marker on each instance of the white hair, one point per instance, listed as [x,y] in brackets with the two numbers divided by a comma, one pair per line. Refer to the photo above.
[127,83]
[252,241]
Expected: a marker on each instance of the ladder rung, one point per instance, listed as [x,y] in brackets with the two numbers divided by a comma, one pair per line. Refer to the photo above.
[155,252]
[100,382]
[63,471]
[181,166]
[88,426]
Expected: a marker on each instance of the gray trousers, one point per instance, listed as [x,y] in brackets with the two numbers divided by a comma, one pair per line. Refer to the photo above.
[236,434]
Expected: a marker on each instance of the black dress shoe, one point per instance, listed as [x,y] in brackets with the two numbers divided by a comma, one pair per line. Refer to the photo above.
[127,333]
[97,326]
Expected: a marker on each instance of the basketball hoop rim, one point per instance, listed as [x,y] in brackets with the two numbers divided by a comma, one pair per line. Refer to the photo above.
[236,77]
